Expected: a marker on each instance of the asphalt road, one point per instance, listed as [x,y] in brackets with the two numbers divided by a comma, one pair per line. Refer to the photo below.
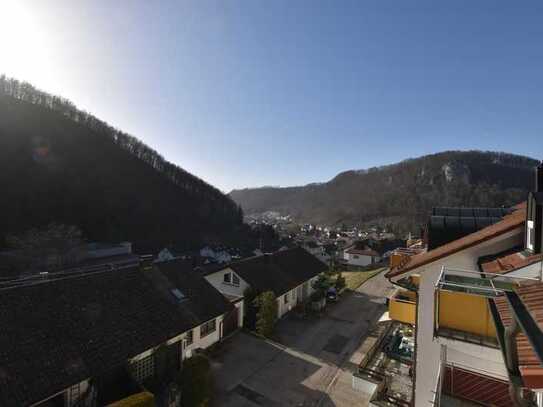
[310,364]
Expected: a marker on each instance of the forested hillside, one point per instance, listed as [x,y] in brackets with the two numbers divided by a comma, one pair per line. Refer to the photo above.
[60,164]
[401,194]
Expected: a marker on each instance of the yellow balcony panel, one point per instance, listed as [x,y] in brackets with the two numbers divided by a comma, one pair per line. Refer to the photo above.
[143,399]
[403,307]
[464,312]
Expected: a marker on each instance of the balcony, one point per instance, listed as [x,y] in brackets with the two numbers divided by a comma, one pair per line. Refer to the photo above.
[462,309]
[465,317]
[402,307]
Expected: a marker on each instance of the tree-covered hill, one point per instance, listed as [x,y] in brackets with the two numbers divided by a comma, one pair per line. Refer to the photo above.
[60,164]
[401,194]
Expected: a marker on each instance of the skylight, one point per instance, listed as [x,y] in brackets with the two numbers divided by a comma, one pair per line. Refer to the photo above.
[178,294]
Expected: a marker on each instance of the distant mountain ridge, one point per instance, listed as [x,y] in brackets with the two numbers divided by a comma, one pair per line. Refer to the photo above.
[402,194]
[61,164]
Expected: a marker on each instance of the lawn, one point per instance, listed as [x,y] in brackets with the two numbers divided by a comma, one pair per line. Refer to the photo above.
[355,279]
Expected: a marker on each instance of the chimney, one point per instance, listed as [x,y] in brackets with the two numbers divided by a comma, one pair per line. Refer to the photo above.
[539,177]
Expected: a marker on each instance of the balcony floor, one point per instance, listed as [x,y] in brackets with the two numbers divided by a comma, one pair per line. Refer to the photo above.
[468,337]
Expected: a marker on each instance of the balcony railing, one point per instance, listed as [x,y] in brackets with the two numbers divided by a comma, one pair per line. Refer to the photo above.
[402,309]
[474,282]
[462,308]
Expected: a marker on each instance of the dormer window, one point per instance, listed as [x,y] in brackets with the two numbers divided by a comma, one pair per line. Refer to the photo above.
[534,218]
[534,214]
[231,279]
[530,235]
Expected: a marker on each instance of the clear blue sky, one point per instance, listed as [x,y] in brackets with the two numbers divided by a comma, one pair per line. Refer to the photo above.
[252,93]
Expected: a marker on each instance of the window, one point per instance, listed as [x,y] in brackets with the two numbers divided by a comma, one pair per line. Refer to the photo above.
[190,337]
[530,235]
[231,278]
[143,368]
[179,296]
[208,328]
[285,298]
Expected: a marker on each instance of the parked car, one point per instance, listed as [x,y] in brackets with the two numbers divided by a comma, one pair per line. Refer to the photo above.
[332,295]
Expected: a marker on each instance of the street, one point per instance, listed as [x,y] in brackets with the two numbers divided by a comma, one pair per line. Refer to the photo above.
[310,359]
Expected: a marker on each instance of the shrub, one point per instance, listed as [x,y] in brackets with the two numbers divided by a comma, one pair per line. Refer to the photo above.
[251,308]
[196,382]
[322,284]
[266,315]
[340,282]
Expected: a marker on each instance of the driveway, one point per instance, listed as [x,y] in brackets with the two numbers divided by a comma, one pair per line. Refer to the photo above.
[311,357]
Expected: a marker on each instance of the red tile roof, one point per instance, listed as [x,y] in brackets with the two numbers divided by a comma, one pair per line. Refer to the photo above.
[507,224]
[510,261]
[529,364]
[362,252]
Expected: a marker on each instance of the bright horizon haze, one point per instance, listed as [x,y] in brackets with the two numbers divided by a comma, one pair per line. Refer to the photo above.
[250,93]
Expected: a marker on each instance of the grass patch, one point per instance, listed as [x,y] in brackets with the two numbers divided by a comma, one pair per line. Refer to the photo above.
[355,279]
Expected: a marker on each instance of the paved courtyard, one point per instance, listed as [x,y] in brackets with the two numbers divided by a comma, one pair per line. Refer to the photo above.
[311,362]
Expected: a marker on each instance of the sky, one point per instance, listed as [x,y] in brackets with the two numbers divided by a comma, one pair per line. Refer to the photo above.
[253,93]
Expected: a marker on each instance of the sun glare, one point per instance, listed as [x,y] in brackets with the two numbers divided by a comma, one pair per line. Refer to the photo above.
[24,50]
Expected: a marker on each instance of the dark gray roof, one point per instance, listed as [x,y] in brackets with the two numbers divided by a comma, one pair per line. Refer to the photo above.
[279,272]
[57,333]
[201,300]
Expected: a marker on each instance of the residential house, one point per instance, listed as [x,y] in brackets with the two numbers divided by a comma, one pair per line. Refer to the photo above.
[167,254]
[313,247]
[213,316]
[91,338]
[290,274]
[356,256]
[219,254]
[476,305]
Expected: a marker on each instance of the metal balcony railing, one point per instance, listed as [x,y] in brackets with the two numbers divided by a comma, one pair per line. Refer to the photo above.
[475,282]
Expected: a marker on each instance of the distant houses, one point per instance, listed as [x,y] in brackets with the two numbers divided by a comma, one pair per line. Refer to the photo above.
[206,255]
[356,256]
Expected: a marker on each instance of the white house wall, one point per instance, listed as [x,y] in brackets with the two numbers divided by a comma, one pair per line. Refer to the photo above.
[532,271]
[197,341]
[362,260]
[428,347]
[283,308]
[210,339]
